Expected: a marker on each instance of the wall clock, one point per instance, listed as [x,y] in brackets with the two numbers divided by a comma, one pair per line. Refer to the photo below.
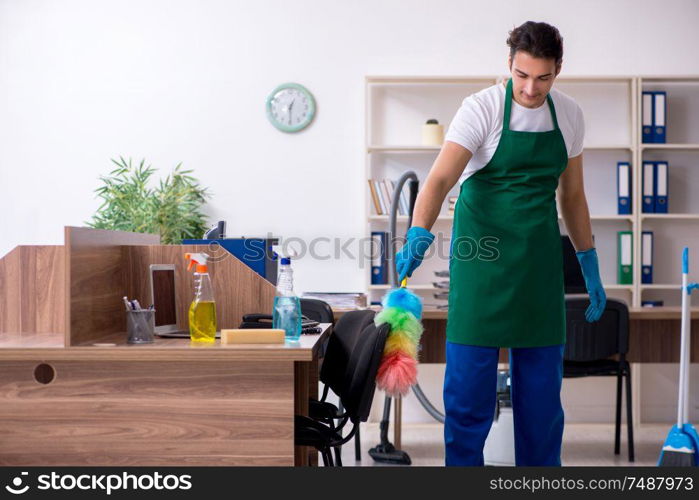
[291,107]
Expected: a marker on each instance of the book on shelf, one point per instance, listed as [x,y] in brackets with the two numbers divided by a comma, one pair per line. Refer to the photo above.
[647,257]
[625,257]
[403,202]
[648,205]
[660,184]
[379,258]
[375,197]
[623,183]
[386,197]
[382,197]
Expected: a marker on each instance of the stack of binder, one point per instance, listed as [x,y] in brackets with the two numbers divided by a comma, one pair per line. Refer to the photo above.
[654,111]
[625,257]
[340,300]
[655,187]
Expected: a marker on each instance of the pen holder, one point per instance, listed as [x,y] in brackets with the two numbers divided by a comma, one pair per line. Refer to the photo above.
[140,326]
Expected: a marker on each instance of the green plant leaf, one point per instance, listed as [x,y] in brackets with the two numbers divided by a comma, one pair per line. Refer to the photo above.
[171,209]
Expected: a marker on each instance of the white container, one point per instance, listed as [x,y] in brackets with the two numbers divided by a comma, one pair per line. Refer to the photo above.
[432,133]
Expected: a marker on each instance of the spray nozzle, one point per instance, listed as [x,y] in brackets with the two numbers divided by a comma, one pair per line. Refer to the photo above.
[286,254]
[199,259]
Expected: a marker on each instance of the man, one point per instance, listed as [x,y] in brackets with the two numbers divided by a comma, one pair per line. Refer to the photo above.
[519,142]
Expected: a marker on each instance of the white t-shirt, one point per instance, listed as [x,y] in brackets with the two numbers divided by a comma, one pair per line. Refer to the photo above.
[477,125]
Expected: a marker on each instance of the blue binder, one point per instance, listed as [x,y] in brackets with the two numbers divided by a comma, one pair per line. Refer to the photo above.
[647,116]
[659,116]
[648,193]
[379,276]
[661,191]
[647,257]
[623,187]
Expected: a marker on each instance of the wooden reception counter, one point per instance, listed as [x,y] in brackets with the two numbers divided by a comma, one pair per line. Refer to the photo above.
[167,403]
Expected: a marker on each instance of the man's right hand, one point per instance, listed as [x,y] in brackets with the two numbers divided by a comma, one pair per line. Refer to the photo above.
[410,256]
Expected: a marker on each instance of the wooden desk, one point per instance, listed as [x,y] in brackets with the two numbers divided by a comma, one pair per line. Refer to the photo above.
[64,401]
[167,403]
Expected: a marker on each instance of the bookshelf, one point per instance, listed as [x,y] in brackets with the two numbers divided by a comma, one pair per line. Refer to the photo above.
[397,106]
[679,227]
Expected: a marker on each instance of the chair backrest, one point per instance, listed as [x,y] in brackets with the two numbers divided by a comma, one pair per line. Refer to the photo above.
[340,346]
[599,340]
[362,370]
[317,310]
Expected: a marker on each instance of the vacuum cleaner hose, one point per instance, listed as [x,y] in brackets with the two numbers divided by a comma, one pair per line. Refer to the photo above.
[393,274]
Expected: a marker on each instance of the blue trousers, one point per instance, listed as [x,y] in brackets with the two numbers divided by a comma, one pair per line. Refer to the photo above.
[470,387]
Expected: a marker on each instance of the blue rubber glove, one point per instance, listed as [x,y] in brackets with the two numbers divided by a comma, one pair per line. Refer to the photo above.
[593,283]
[418,240]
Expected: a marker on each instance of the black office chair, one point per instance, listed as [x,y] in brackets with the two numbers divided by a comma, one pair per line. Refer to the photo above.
[356,394]
[339,350]
[317,310]
[589,347]
[320,311]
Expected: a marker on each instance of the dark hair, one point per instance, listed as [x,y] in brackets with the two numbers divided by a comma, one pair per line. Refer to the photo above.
[538,39]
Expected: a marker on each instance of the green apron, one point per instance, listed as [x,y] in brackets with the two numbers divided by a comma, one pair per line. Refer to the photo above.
[506,268]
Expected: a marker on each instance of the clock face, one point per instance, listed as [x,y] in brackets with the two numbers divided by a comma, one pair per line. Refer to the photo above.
[290,107]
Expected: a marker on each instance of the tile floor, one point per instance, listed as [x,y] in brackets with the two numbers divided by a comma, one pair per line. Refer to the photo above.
[583,444]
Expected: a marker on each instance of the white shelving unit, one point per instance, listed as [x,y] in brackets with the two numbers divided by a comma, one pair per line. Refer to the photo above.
[396,108]
[680,227]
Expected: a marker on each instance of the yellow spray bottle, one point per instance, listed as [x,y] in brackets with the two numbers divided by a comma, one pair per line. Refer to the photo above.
[202,311]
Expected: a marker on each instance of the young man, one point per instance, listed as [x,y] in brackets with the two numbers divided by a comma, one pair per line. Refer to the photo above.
[519,143]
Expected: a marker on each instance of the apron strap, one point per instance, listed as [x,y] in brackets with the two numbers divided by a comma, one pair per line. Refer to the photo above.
[508,108]
[553,111]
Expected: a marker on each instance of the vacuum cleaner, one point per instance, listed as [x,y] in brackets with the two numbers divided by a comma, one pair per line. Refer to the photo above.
[385,451]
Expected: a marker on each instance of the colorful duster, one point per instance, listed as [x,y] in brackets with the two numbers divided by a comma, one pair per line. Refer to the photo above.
[402,309]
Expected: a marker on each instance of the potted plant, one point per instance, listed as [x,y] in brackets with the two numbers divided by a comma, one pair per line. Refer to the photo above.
[171,209]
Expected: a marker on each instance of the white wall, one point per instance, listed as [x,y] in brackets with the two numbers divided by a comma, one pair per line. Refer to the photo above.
[83,81]
[185,81]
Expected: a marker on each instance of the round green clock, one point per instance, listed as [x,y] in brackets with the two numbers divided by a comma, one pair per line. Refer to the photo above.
[291,107]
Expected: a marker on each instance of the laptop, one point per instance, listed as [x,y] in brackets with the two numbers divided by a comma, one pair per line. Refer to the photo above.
[162,285]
